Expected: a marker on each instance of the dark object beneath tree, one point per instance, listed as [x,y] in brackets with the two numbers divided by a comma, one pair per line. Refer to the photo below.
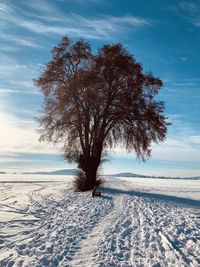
[95,193]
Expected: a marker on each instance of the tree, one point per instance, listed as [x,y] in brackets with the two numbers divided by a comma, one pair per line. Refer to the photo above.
[94,101]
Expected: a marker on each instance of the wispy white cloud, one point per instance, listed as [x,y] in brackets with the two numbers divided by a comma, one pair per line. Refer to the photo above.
[16,91]
[40,22]
[8,48]
[171,150]
[188,84]
[188,6]
[20,148]
[16,75]
[42,6]
[9,67]
[5,8]
[94,28]
[176,150]
[184,59]
[19,40]
[194,139]
[188,10]
[194,79]
[22,83]
[83,1]
[20,136]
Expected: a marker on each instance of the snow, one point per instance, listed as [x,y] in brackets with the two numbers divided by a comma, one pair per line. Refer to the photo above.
[136,222]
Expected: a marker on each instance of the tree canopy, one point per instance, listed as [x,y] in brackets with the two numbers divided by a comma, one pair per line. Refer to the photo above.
[94,101]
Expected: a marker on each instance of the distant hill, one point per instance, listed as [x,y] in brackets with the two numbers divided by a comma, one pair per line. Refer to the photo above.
[128,174]
[192,178]
[121,174]
[64,172]
[59,172]
[74,172]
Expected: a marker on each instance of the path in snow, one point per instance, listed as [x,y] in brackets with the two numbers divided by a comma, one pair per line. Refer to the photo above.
[142,231]
[50,225]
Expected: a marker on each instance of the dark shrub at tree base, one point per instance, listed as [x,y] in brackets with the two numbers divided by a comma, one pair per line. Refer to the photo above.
[81,184]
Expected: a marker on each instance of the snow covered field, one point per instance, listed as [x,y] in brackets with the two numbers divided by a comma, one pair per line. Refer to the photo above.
[136,222]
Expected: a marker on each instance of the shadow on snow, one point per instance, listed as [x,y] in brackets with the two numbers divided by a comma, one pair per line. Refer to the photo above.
[153,196]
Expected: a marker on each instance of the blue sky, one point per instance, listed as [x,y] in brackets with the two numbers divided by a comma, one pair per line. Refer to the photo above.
[163,35]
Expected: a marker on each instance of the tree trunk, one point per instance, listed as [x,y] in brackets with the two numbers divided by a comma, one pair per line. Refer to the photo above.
[91,174]
[90,166]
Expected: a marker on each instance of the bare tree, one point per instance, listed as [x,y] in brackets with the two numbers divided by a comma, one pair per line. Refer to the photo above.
[92,102]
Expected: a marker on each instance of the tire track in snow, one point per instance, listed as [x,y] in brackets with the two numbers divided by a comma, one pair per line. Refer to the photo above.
[122,229]
[141,231]
[54,239]
[87,255]
[164,227]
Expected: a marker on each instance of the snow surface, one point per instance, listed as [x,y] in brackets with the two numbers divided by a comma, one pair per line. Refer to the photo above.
[136,222]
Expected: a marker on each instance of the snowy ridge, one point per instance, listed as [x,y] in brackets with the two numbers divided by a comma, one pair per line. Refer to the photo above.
[47,224]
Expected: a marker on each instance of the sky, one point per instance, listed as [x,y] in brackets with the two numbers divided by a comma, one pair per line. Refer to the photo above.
[162,35]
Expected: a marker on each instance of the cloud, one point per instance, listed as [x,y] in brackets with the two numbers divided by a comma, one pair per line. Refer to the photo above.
[173,149]
[17,77]
[8,48]
[19,40]
[188,7]
[93,28]
[48,19]
[194,139]
[188,10]
[188,84]
[20,136]
[9,67]
[84,2]
[31,162]
[15,91]
[41,6]
[20,148]
[176,150]
[6,9]
[184,59]
[174,157]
